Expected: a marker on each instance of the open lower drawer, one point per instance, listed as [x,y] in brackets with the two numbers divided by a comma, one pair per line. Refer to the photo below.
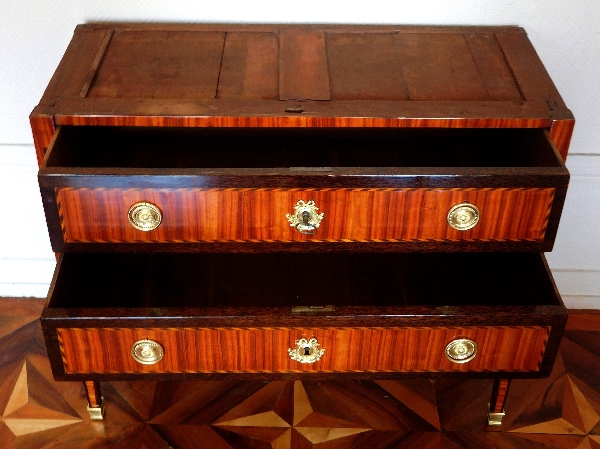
[158,189]
[155,315]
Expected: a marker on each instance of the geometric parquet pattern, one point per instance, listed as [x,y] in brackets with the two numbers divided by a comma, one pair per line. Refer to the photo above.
[562,411]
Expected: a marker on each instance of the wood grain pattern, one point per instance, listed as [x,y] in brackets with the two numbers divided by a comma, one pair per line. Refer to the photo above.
[106,350]
[272,114]
[303,65]
[558,411]
[223,75]
[74,67]
[96,64]
[192,215]
[42,127]
[353,60]
[561,132]
[31,408]
[259,289]
[532,78]
[496,75]
[250,67]
[449,72]
[256,291]
[339,64]
[92,391]
[188,214]
[330,28]
[583,320]
[411,214]
[499,395]
[476,70]
[193,59]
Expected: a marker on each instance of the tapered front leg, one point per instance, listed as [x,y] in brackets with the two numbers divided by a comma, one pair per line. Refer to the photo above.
[95,403]
[496,406]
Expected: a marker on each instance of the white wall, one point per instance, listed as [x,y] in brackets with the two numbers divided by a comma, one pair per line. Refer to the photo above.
[34,34]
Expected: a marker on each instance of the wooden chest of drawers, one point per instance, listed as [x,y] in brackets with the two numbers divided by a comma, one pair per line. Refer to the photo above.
[301,201]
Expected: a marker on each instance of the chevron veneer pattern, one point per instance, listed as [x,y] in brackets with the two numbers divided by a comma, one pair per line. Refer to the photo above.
[194,215]
[108,350]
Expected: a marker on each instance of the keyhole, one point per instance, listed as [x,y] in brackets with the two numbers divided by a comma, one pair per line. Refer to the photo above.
[305,216]
[307,350]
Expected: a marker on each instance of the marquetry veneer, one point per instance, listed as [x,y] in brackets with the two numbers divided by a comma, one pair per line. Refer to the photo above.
[215,187]
[211,317]
[240,350]
[198,215]
[179,170]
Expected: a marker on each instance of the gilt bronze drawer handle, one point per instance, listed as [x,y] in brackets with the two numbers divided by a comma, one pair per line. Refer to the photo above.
[144,216]
[463,216]
[305,217]
[306,351]
[461,350]
[147,352]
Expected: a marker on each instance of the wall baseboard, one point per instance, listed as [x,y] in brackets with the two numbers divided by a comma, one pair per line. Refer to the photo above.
[26,277]
[582,302]
[577,282]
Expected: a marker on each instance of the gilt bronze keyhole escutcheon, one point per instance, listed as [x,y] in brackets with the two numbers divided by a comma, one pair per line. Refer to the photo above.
[306,351]
[305,217]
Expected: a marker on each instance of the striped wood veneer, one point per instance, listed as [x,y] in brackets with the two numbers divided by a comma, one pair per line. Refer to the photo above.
[195,215]
[108,350]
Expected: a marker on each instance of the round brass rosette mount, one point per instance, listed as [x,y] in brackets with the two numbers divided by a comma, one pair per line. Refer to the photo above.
[147,352]
[305,217]
[461,350]
[144,216]
[463,216]
[306,351]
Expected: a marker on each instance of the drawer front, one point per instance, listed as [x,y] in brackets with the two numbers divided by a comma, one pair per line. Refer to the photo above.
[242,350]
[250,215]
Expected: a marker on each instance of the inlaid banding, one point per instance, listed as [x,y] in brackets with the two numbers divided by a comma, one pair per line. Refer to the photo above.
[354,215]
[236,350]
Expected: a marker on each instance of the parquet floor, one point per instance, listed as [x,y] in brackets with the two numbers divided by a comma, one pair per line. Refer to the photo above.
[562,411]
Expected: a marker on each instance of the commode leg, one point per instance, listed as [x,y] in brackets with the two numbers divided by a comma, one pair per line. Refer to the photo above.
[496,405]
[95,402]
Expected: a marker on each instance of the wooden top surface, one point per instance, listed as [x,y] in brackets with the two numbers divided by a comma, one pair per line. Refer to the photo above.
[291,75]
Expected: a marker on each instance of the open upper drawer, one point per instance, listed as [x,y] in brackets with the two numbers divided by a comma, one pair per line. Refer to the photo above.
[112,188]
[276,75]
[376,314]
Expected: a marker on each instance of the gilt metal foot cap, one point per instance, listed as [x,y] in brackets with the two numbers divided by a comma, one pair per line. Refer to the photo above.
[97,413]
[495,418]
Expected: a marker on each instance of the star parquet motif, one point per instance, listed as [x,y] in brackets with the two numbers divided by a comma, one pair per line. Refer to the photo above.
[34,404]
[284,411]
[289,414]
[561,411]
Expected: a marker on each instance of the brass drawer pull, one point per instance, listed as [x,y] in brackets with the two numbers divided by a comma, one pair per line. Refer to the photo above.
[305,217]
[144,216]
[461,350]
[306,351]
[147,352]
[463,216]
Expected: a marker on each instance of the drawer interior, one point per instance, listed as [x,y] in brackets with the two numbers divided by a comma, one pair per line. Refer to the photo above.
[162,280]
[142,147]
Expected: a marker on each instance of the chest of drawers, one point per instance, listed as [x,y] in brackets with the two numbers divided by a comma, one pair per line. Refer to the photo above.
[273,201]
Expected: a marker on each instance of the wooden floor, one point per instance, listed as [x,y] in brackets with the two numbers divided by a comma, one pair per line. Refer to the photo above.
[562,411]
